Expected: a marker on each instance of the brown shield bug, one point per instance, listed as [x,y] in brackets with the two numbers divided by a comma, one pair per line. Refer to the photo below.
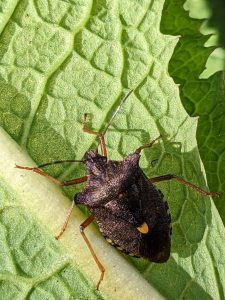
[130,211]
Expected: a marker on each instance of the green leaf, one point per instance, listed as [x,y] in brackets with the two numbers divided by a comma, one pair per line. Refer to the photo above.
[201,97]
[33,265]
[60,60]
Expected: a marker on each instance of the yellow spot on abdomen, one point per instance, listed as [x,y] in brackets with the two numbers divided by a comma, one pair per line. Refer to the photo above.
[143,228]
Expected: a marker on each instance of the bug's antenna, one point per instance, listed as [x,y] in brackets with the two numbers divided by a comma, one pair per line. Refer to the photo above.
[116,112]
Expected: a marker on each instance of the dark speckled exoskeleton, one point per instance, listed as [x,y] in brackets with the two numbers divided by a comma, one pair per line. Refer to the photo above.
[130,211]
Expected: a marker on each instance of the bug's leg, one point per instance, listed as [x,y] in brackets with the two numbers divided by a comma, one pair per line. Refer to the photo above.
[184,182]
[87,222]
[62,230]
[52,163]
[62,183]
[149,145]
[99,134]
[60,162]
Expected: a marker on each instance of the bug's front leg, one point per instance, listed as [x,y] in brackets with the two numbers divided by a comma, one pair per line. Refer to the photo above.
[84,225]
[184,182]
[63,228]
[99,134]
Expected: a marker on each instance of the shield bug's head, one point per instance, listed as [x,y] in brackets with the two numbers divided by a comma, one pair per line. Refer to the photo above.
[95,163]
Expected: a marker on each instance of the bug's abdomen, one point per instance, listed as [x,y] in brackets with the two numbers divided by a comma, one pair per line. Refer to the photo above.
[121,220]
[119,232]
[154,246]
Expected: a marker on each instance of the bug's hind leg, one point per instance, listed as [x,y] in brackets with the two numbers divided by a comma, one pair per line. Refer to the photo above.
[99,134]
[184,182]
[87,222]
[149,145]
